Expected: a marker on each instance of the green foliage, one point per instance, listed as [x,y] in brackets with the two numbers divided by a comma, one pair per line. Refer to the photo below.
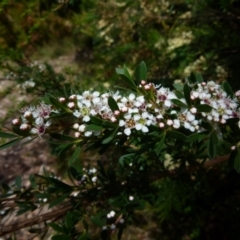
[165,170]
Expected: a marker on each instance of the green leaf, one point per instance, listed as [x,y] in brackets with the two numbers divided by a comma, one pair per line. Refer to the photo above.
[56,227]
[110,136]
[61,136]
[97,221]
[234,160]
[112,104]
[177,135]
[56,103]
[10,143]
[75,155]
[62,148]
[93,127]
[126,77]
[179,103]
[204,108]
[141,72]
[7,135]
[58,200]
[212,143]
[32,181]
[18,182]
[178,86]
[186,91]
[198,77]
[160,144]
[196,137]
[120,232]
[96,120]
[68,221]
[228,89]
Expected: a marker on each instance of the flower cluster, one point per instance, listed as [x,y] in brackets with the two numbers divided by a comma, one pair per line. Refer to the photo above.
[35,120]
[136,112]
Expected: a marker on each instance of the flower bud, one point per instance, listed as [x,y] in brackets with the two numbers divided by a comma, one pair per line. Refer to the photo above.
[16,122]
[62,99]
[24,126]
[71,105]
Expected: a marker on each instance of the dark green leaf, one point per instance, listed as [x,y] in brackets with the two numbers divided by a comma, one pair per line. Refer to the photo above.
[18,182]
[56,227]
[110,136]
[61,136]
[10,143]
[63,148]
[204,108]
[7,135]
[141,72]
[212,143]
[58,200]
[112,104]
[126,77]
[177,135]
[234,160]
[32,181]
[179,103]
[75,155]
[228,89]
[97,221]
[56,103]
[160,144]
[120,232]
[96,120]
[198,77]
[68,221]
[196,137]
[186,91]
[93,127]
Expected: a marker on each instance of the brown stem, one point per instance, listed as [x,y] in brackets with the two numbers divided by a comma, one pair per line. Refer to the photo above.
[56,214]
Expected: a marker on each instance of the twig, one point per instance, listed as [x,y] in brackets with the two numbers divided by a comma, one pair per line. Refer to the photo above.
[35,220]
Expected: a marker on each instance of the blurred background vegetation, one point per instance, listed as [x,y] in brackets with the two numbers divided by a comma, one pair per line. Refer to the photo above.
[70,45]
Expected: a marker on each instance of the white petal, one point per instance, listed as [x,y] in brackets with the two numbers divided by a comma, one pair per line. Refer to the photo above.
[139,126]
[127,131]
[39,121]
[76,114]
[167,103]
[131,97]
[86,119]
[144,129]
[121,123]
[136,117]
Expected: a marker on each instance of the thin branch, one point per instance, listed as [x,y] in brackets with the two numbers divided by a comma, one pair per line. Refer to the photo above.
[58,213]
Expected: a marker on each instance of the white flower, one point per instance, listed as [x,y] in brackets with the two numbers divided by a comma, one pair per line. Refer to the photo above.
[94,179]
[131,198]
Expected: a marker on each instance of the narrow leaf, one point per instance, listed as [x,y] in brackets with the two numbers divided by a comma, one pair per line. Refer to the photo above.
[7,135]
[228,89]
[18,182]
[160,144]
[141,72]
[179,103]
[97,221]
[186,91]
[112,104]
[75,155]
[10,143]
[110,136]
[93,127]
[204,108]
[126,77]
